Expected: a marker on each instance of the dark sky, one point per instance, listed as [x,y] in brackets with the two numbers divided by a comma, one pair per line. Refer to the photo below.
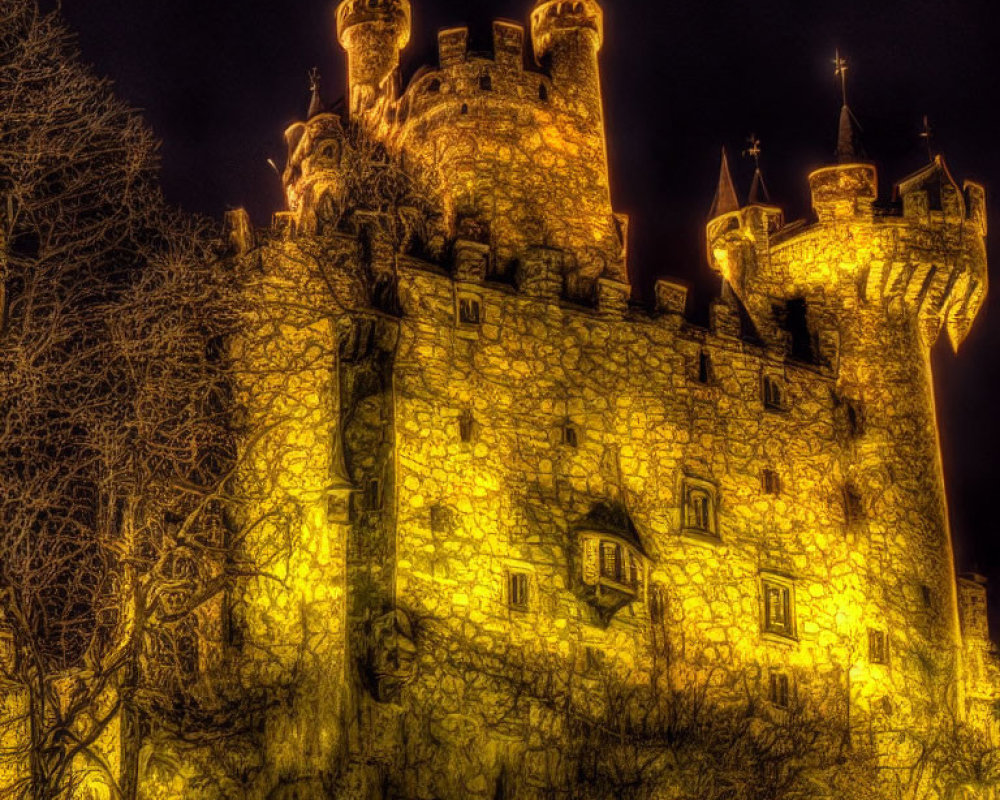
[221,79]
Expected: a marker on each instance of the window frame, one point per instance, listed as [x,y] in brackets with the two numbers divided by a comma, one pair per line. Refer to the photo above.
[785,586]
[691,524]
[774,393]
[770,482]
[477,302]
[630,575]
[779,690]
[518,591]
[878,647]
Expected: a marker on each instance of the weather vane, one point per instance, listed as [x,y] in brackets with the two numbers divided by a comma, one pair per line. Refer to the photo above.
[927,135]
[840,71]
[753,149]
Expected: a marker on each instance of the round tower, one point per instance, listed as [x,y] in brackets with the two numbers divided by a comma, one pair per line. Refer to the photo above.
[373,32]
[568,34]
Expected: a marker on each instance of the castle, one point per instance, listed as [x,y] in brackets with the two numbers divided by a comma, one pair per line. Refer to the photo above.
[488,487]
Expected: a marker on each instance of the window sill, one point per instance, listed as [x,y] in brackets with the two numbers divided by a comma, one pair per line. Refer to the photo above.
[699,535]
[777,637]
[622,588]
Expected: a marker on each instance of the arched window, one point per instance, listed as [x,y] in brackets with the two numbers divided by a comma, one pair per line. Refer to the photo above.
[699,508]
[465,108]
[486,82]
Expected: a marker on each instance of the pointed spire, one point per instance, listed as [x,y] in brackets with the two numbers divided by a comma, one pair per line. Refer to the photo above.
[847,145]
[316,104]
[758,189]
[725,195]
[846,151]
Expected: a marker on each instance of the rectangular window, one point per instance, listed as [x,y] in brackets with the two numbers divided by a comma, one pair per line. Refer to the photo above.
[773,395]
[778,690]
[878,647]
[517,590]
[854,510]
[770,482]
[466,426]
[657,608]
[778,616]
[469,310]
[611,561]
[570,437]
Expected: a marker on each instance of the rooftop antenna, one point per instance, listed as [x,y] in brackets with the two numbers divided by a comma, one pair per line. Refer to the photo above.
[758,189]
[927,135]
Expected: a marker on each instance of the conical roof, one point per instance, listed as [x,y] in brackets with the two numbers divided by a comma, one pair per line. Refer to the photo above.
[758,189]
[725,200]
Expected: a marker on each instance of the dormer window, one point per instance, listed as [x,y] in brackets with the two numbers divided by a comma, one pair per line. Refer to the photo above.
[699,508]
[773,394]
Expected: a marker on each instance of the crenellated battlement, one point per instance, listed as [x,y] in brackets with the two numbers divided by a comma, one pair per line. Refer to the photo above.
[923,255]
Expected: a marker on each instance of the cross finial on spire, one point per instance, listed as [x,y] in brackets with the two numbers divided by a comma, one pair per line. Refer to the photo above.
[840,71]
[758,190]
[753,149]
[927,135]
[315,101]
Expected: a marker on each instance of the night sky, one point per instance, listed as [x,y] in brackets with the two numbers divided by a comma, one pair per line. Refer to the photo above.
[220,80]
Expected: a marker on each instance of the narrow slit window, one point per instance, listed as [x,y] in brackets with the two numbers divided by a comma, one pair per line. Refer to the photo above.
[570,436]
[770,482]
[854,509]
[704,367]
[773,394]
[778,692]
[543,93]
[517,591]
[466,427]
[878,647]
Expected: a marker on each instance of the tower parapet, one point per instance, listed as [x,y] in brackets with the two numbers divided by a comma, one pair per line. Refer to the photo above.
[373,32]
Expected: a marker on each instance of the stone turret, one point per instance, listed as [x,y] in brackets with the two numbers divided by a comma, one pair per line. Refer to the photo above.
[373,32]
[569,35]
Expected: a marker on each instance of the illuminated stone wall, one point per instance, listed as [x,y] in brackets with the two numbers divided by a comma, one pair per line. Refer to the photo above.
[489,475]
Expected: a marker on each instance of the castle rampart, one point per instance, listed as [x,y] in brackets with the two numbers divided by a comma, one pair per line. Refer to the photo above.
[525,475]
